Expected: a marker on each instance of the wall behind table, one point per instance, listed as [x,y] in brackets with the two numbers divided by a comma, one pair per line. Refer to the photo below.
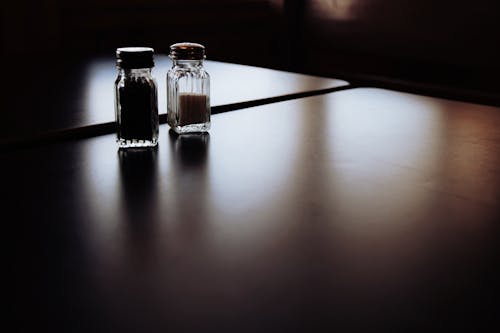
[243,31]
[439,46]
[448,42]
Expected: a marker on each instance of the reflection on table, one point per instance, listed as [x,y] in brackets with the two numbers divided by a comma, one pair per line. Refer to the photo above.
[364,209]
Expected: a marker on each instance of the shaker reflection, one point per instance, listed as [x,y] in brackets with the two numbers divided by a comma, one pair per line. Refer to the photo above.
[191,149]
[139,179]
[190,178]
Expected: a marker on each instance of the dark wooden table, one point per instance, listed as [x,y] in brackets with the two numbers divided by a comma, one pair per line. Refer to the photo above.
[360,210]
[49,97]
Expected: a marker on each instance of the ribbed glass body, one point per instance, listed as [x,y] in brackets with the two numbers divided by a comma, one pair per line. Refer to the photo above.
[136,108]
[188,97]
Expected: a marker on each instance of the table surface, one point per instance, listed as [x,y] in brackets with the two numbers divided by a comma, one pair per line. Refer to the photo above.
[362,210]
[80,93]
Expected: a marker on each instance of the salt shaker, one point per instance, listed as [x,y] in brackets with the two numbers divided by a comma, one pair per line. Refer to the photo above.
[188,89]
[136,98]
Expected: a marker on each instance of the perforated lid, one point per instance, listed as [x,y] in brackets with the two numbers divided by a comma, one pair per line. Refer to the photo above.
[187,51]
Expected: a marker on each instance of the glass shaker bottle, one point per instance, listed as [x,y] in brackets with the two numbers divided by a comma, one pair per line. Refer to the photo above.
[188,89]
[136,98]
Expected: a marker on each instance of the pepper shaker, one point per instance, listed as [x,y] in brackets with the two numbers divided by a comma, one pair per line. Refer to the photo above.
[136,101]
[188,89]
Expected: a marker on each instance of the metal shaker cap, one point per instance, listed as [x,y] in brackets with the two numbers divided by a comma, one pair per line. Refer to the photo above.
[134,57]
[187,51]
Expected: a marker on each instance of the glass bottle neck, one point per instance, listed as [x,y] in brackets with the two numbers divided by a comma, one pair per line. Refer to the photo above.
[187,63]
[135,71]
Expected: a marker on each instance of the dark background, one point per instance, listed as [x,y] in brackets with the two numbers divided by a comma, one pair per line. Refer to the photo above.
[436,271]
[441,47]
